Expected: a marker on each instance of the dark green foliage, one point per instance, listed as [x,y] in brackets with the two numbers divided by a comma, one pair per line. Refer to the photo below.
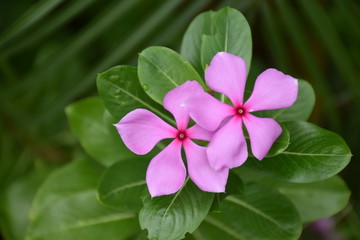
[50,55]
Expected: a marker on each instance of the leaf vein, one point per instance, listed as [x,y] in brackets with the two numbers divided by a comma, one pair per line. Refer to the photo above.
[161,71]
[89,222]
[104,219]
[226,34]
[315,154]
[144,103]
[127,186]
[255,210]
[173,200]
[223,227]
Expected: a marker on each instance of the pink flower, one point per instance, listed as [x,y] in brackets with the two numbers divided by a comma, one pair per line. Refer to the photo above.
[141,130]
[227,75]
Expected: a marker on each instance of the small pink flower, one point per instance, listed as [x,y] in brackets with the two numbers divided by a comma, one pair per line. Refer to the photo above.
[141,130]
[227,75]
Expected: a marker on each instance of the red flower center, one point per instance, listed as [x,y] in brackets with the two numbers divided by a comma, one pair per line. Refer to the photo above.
[240,111]
[181,135]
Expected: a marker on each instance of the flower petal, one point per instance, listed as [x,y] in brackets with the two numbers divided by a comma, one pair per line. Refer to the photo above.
[174,102]
[272,90]
[141,130]
[227,74]
[200,171]
[227,149]
[207,111]
[166,172]
[199,133]
[262,132]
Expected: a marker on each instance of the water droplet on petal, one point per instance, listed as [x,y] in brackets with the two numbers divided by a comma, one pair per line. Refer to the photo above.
[145,87]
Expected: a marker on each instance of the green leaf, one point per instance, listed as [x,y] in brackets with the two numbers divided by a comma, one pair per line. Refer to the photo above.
[259,213]
[161,69]
[191,43]
[234,186]
[15,203]
[230,33]
[313,154]
[93,126]
[65,207]
[315,200]
[171,217]
[300,110]
[122,185]
[142,235]
[281,143]
[121,91]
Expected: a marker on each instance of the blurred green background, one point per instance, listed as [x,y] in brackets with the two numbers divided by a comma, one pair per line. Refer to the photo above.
[52,50]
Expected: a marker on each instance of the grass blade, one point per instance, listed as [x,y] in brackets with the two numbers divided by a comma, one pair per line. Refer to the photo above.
[29,18]
[297,34]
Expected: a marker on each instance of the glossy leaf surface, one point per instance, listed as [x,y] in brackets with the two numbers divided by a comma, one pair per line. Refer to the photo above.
[122,185]
[230,33]
[316,200]
[192,40]
[171,217]
[93,126]
[259,213]
[313,154]
[121,91]
[211,32]
[161,69]
[313,201]
[65,207]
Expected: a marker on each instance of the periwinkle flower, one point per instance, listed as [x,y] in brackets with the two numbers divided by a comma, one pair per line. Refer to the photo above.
[227,75]
[141,130]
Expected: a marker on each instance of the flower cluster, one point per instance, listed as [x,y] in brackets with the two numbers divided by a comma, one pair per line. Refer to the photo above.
[216,122]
